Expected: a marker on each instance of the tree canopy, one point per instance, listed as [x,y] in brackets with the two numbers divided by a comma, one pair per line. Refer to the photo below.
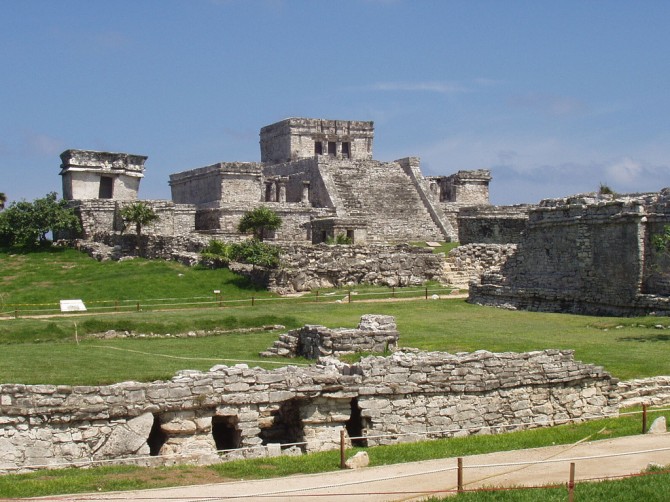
[26,224]
[259,221]
[140,214]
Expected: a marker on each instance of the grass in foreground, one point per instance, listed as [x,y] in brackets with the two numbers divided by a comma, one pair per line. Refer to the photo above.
[651,487]
[43,483]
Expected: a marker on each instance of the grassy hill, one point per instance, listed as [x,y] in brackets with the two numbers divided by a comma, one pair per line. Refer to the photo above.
[55,349]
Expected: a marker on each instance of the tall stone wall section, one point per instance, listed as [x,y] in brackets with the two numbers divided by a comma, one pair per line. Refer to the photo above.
[585,255]
[465,264]
[304,268]
[252,411]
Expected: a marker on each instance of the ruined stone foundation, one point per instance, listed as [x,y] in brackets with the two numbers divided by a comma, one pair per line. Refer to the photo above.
[245,412]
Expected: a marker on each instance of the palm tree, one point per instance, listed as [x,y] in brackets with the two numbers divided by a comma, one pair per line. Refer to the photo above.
[140,214]
[259,221]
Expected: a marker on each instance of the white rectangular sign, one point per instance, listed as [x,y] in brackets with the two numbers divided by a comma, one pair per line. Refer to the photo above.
[72,306]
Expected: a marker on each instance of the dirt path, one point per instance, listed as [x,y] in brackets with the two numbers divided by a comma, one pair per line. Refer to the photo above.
[419,480]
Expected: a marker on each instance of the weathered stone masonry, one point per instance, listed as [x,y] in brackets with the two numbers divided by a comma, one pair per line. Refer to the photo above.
[586,254]
[252,411]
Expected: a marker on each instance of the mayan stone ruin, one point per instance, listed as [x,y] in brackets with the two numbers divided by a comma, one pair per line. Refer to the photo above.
[236,411]
[588,253]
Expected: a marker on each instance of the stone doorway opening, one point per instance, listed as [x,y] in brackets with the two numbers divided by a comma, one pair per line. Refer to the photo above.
[286,427]
[225,432]
[157,437]
[355,425]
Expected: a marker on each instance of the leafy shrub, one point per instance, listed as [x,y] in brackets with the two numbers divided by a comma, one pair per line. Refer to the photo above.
[218,252]
[340,239]
[252,251]
[256,252]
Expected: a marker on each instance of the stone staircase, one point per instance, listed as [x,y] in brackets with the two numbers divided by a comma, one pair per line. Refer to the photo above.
[383,195]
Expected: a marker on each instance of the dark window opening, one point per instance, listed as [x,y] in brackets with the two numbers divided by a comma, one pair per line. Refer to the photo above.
[350,235]
[286,425]
[225,433]
[332,148]
[318,148]
[346,150]
[324,235]
[106,187]
[268,193]
[156,438]
[354,425]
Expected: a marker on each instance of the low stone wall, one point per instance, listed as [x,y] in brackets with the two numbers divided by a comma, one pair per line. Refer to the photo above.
[112,246]
[304,268]
[654,391]
[465,264]
[375,333]
[254,412]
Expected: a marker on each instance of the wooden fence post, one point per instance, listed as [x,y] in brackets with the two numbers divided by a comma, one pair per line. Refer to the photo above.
[571,483]
[459,475]
[644,418]
[343,458]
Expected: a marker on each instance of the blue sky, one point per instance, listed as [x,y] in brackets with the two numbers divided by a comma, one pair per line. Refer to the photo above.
[555,97]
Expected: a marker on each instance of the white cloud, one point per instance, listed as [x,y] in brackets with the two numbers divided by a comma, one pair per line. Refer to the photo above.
[527,169]
[429,86]
[549,104]
[42,145]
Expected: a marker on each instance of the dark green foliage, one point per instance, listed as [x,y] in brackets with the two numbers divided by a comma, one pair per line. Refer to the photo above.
[259,221]
[252,251]
[661,242]
[140,214]
[218,253]
[339,239]
[256,252]
[26,224]
[606,190]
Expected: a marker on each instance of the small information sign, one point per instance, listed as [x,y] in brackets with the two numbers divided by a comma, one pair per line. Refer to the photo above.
[72,306]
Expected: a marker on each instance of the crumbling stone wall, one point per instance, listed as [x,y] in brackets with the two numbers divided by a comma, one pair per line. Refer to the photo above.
[304,268]
[585,254]
[253,412]
[653,391]
[492,224]
[375,333]
[104,216]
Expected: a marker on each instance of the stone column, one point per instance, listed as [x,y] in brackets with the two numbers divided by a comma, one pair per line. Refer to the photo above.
[305,192]
[281,189]
[270,191]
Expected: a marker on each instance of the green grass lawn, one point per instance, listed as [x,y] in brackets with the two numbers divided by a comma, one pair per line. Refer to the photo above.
[45,350]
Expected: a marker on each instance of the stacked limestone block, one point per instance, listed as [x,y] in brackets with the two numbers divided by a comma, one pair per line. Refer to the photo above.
[304,268]
[375,333]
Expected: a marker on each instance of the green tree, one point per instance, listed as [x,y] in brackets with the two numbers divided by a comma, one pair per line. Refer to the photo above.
[3,200]
[140,214]
[26,224]
[259,221]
